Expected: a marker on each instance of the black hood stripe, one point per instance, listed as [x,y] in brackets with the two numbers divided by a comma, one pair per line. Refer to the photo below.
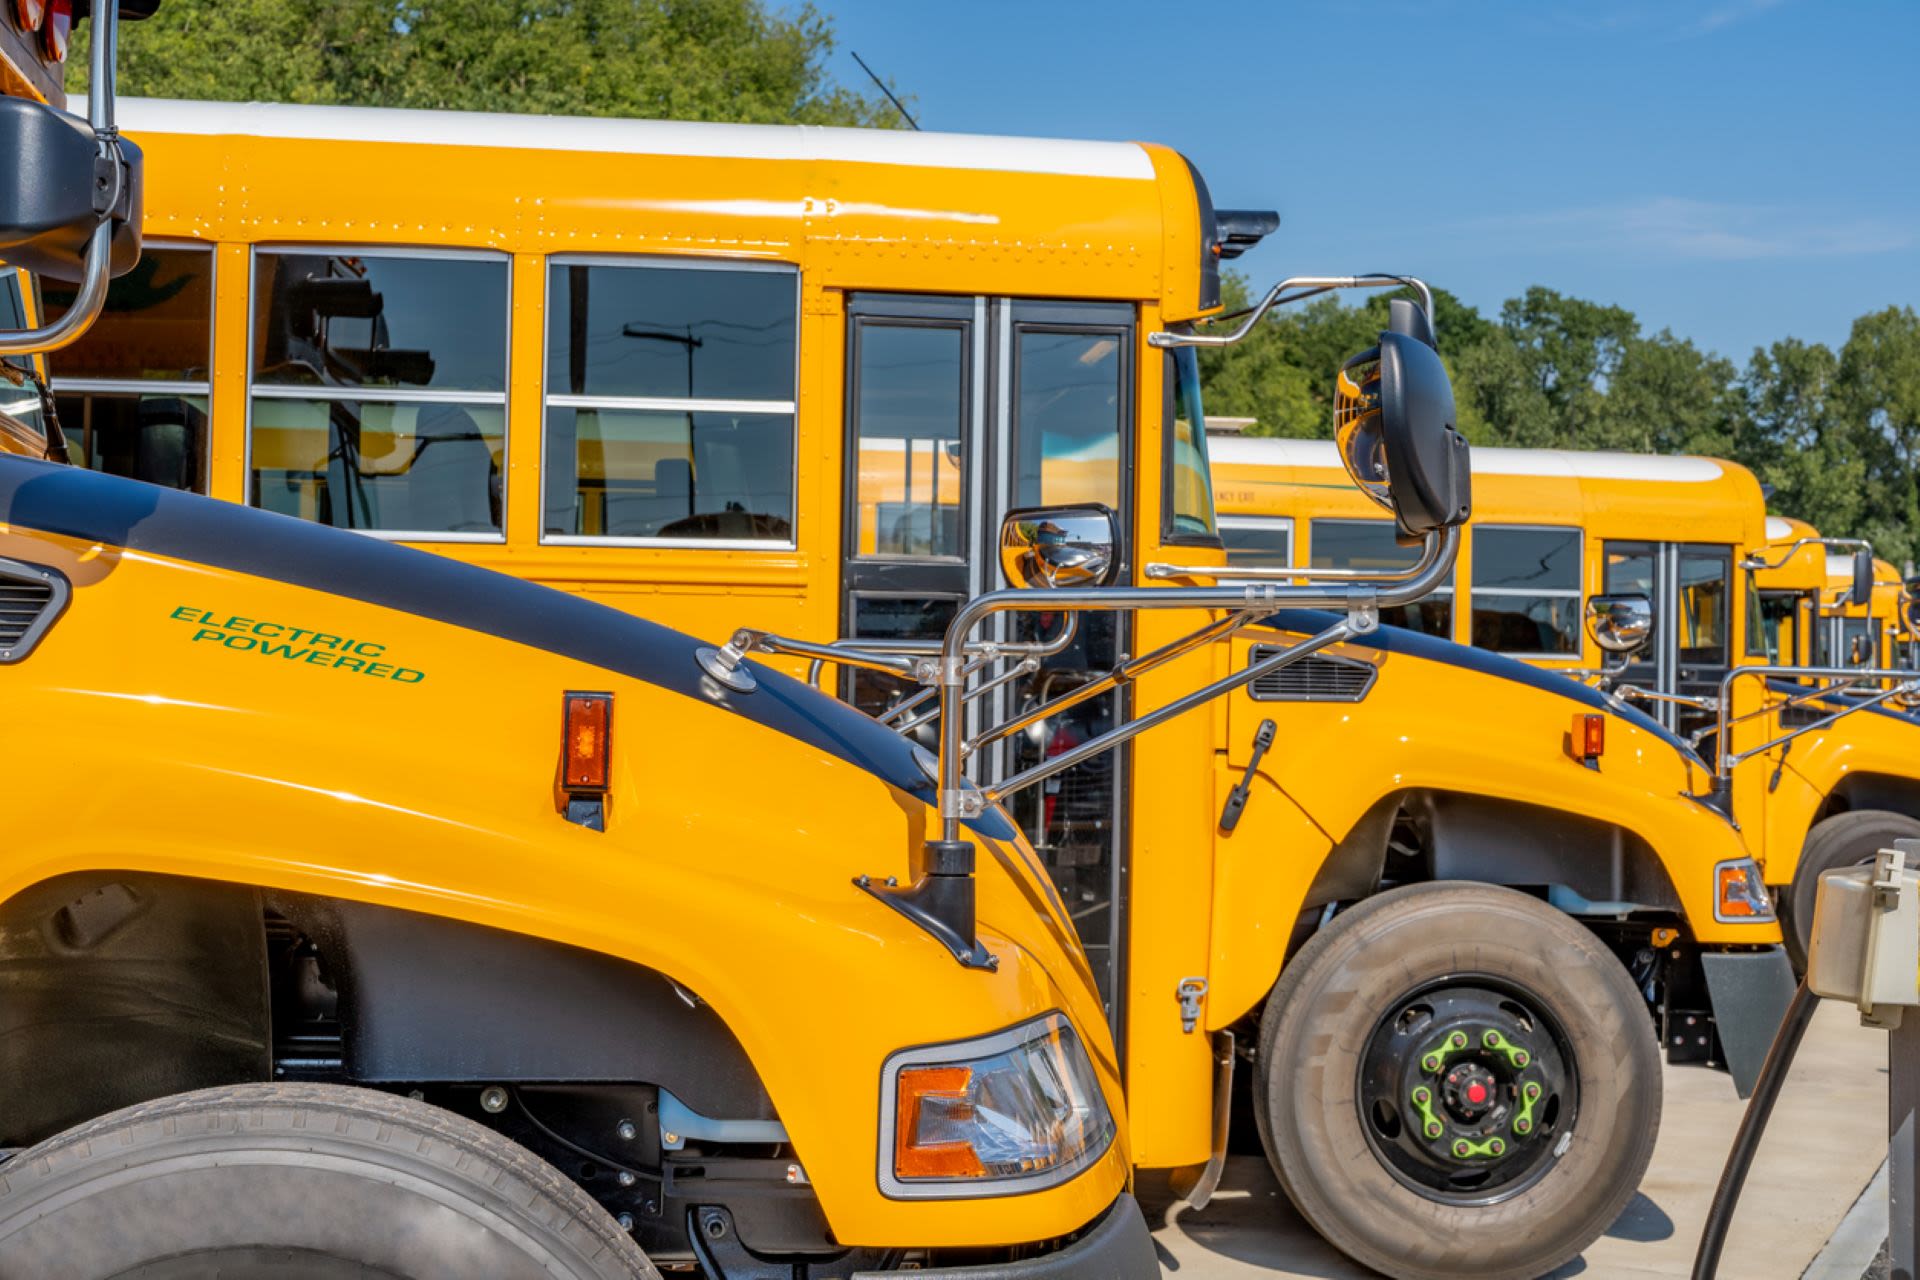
[182,526]
[1499,666]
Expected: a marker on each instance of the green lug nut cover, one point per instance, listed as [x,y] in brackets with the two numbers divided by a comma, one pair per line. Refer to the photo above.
[1500,1044]
[1529,1095]
[1463,1149]
[1435,1058]
[1429,1122]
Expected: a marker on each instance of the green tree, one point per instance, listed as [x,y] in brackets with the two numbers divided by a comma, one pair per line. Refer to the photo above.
[1877,396]
[727,60]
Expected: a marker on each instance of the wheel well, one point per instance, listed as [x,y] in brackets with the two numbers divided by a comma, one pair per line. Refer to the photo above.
[1420,835]
[121,987]
[1873,791]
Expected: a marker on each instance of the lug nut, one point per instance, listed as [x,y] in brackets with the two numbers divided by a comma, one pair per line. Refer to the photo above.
[628,1131]
[626,1178]
[493,1099]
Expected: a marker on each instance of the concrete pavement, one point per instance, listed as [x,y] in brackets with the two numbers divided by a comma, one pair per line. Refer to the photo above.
[1827,1139]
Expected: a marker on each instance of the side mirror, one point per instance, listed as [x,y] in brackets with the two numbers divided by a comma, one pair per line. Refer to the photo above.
[1059,546]
[46,220]
[1620,624]
[1862,592]
[1860,651]
[1910,603]
[1395,427]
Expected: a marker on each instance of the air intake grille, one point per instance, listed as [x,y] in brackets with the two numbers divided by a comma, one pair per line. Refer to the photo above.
[31,597]
[1315,678]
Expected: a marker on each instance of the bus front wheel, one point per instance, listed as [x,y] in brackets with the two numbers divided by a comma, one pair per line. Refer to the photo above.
[313,1181]
[1457,1080]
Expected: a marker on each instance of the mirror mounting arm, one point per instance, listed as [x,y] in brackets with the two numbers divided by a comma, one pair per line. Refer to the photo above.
[91,297]
[1292,289]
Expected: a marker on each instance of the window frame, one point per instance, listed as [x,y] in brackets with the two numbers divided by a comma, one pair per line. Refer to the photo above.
[1450,590]
[857,323]
[666,404]
[159,387]
[389,395]
[1576,593]
[1169,413]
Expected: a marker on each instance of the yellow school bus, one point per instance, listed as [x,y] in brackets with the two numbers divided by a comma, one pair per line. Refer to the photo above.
[1559,535]
[377,914]
[797,407]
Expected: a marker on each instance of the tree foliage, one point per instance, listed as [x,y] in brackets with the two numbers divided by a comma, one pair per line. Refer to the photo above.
[731,60]
[1835,435]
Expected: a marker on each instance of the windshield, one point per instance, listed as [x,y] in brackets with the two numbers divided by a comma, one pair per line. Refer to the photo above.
[1189,483]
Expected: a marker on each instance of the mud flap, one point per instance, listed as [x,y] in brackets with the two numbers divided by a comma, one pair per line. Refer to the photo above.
[1750,991]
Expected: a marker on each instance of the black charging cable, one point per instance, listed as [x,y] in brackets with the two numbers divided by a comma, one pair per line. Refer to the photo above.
[1746,1140]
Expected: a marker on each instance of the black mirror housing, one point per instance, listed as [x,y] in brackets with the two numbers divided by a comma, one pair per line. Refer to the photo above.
[1862,592]
[46,221]
[1427,457]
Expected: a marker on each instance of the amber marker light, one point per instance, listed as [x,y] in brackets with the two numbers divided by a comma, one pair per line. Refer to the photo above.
[589,725]
[1740,892]
[1588,741]
[59,24]
[933,1104]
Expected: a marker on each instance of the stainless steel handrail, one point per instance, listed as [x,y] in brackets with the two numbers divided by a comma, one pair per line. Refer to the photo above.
[91,298]
[1726,761]
[1249,602]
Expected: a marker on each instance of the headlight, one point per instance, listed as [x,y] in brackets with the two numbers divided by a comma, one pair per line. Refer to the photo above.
[1740,893]
[1016,1111]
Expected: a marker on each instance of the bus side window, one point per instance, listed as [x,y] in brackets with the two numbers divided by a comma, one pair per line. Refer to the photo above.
[1370,544]
[379,389]
[1526,591]
[132,394]
[1261,542]
[670,401]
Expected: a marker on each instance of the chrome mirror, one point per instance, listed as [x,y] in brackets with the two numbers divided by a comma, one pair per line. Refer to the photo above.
[1059,546]
[1620,624]
[1395,427]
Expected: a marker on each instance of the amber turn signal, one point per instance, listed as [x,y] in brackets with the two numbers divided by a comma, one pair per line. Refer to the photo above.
[933,1107]
[586,745]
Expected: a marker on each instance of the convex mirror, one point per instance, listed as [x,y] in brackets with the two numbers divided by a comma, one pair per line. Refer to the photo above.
[1059,546]
[1620,624]
[1862,592]
[1396,429]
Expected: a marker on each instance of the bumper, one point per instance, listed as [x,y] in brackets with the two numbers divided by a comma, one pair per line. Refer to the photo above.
[1117,1247]
[1750,991]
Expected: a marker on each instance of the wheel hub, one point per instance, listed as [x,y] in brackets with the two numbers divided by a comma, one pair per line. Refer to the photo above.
[1465,1088]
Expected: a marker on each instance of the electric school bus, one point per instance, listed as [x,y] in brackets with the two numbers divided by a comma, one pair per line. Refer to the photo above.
[811,393]
[1663,580]
[381,915]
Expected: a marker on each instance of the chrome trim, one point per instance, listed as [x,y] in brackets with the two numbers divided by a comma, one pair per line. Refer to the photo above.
[91,297]
[959,1051]
[673,404]
[685,544]
[1754,561]
[129,386]
[1725,761]
[333,393]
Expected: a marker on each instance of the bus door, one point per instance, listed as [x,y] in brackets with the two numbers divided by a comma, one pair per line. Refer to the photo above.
[1689,585]
[959,410]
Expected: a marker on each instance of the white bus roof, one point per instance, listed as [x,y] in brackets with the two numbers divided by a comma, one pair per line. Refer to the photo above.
[1489,461]
[634,137]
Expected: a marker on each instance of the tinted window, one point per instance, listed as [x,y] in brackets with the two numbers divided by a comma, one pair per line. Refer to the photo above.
[1260,543]
[371,321]
[909,407]
[1703,608]
[1069,415]
[686,333]
[1526,591]
[159,438]
[661,473]
[157,324]
[1189,487]
[1371,544]
[1772,626]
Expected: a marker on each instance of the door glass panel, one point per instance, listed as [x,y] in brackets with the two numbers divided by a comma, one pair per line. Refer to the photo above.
[1189,494]
[880,617]
[908,413]
[1372,545]
[1772,626]
[1069,414]
[1703,608]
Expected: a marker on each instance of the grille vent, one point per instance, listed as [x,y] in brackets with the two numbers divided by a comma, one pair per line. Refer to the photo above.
[31,597]
[1315,678]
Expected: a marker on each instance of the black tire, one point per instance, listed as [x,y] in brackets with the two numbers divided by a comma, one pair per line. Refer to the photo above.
[1844,840]
[300,1182]
[1326,1014]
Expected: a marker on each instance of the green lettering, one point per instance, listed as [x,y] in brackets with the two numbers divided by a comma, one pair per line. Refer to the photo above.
[407,675]
[209,633]
[238,624]
[332,642]
[348,664]
[187,613]
[368,649]
[239,642]
[286,651]
[379,669]
[318,658]
[261,629]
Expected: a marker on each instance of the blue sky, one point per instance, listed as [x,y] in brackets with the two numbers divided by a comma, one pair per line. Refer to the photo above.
[1735,170]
